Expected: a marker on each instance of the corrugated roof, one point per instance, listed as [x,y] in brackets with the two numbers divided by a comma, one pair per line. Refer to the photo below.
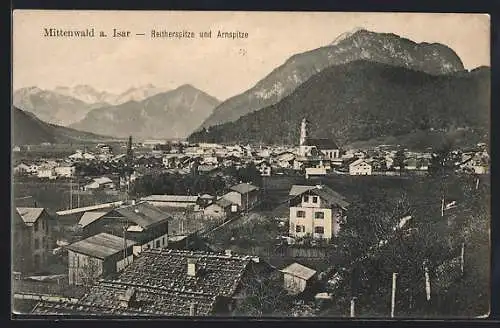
[244,188]
[30,214]
[143,214]
[89,217]
[100,246]
[171,198]
[298,270]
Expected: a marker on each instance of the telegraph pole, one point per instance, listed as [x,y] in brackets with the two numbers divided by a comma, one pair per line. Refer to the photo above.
[393,296]
[353,307]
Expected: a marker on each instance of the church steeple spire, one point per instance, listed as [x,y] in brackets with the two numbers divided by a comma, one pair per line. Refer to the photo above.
[303,132]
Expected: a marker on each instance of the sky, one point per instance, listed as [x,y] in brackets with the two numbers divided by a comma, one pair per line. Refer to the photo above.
[220,67]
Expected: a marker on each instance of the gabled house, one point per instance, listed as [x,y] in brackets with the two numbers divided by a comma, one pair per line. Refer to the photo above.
[141,222]
[297,278]
[221,208]
[100,183]
[245,195]
[315,211]
[360,167]
[32,233]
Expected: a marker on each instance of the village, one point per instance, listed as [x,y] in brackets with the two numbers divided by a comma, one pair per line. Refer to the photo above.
[181,229]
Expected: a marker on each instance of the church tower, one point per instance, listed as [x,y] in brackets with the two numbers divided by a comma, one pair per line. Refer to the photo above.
[303,132]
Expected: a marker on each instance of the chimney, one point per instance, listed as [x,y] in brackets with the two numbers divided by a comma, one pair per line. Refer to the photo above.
[127,300]
[228,252]
[193,309]
[191,267]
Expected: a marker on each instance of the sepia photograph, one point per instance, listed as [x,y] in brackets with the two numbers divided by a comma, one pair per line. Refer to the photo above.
[229,164]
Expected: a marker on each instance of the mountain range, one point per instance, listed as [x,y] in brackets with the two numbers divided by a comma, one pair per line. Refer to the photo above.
[67,105]
[386,48]
[362,100]
[27,129]
[90,95]
[171,114]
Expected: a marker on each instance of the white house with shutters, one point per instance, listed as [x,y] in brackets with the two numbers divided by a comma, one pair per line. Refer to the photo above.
[315,211]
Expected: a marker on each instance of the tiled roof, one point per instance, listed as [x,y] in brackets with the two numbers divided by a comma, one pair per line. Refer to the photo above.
[298,270]
[30,214]
[162,286]
[142,214]
[89,217]
[244,188]
[170,198]
[100,246]
[105,298]
[219,274]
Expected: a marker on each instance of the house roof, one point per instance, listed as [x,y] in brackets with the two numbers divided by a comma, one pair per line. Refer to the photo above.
[206,196]
[219,275]
[142,214]
[89,217]
[30,214]
[298,270]
[298,189]
[100,246]
[105,298]
[359,161]
[244,188]
[321,143]
[162,285]
[224,203]
[171,198]
[102,180]
[326,193]
[89,208]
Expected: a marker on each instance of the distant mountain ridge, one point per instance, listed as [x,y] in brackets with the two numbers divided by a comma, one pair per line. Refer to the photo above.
[89,94]
[362,100]
[386,48]
[27,129]
[172,114]
[67,105]
[50,106]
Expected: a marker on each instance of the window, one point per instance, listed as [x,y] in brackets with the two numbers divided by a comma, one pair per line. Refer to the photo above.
[306,199]
[300,228]
[319,230]
[158,244]
[163,241]
[301,214]
[315,199]
[35,226]
[319,215]
[36,243]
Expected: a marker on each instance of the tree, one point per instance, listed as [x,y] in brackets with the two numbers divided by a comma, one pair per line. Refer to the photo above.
[263,293]
[443,162]
[399,160]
